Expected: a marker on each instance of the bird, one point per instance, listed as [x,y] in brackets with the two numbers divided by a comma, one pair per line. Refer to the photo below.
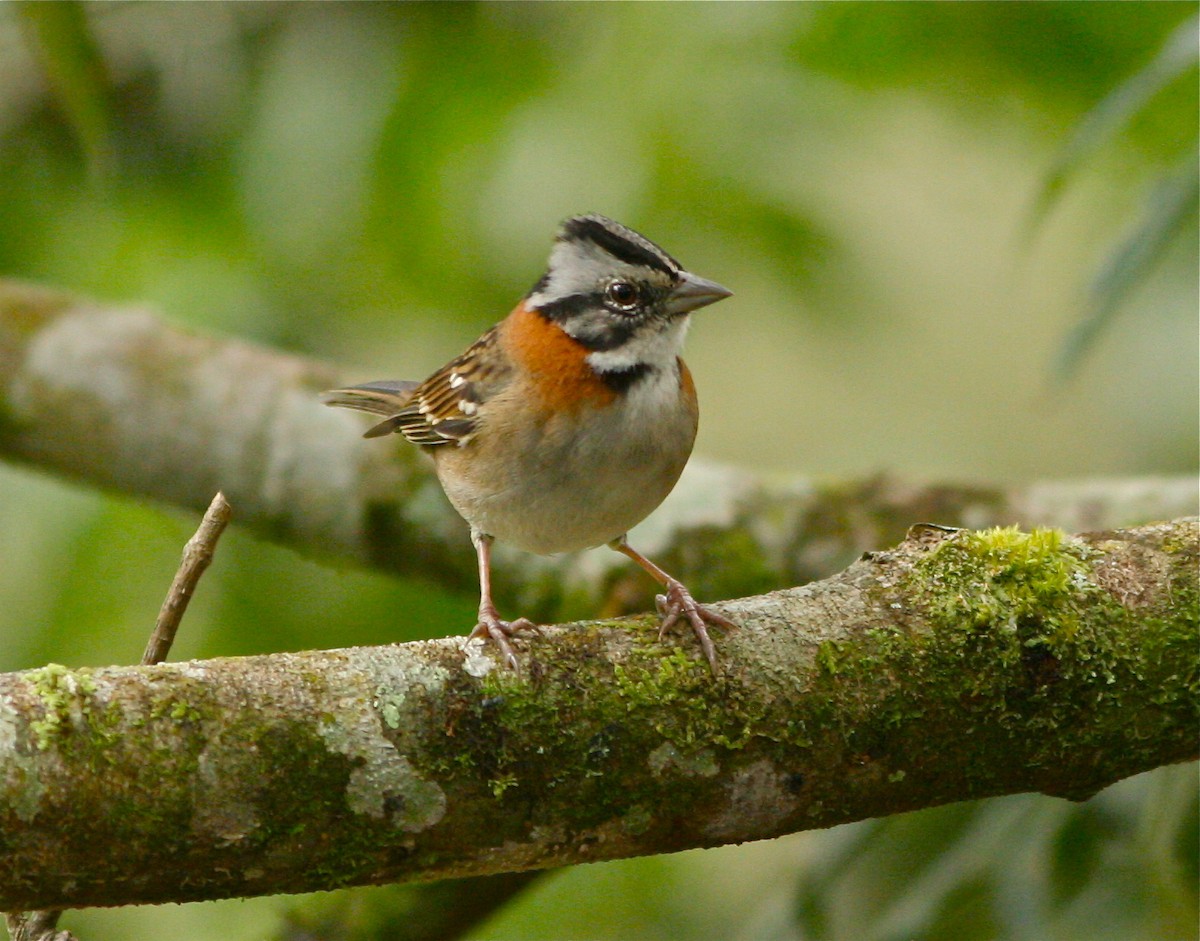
[568,422]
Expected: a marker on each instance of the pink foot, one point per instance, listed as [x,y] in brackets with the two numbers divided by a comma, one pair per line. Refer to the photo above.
[678,603]
[490,627]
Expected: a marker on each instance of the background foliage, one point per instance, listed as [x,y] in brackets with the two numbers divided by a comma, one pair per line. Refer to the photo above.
[919,206]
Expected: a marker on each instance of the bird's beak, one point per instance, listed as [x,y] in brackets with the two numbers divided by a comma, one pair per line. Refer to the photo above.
[694,292]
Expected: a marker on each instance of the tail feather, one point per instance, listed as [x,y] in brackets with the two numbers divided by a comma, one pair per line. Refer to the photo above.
[379,398]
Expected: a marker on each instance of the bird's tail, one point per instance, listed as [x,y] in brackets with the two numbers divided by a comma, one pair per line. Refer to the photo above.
[387,398]
[380,398]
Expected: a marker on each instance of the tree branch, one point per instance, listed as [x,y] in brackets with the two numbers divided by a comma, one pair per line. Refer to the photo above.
[115,397]
[197,555]
[959,665]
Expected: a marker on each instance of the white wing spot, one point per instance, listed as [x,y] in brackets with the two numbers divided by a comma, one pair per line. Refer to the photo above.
[467,407]
[456,380]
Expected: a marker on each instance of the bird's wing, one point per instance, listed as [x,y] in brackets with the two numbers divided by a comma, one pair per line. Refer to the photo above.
[444,409]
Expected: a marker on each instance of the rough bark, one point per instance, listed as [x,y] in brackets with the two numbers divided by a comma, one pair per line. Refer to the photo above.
[115,397]
[959,665]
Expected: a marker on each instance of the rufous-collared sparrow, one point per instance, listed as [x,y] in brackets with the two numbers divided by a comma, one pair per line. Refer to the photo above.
[571,420]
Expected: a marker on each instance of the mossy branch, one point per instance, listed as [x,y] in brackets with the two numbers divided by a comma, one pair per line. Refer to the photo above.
[115,397]
[958,665]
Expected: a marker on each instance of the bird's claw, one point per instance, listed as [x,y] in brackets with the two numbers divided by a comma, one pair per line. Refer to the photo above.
[678,603]
[490,627]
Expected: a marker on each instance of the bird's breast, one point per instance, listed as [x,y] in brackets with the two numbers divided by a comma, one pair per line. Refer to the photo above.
[572,479]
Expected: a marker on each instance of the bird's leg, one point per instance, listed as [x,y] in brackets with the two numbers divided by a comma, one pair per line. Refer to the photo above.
[678,602]
[490,627]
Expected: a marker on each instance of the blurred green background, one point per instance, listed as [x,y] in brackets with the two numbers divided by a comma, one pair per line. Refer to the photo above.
[925,211]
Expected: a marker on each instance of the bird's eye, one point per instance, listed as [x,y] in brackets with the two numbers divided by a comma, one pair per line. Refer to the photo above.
[622,296]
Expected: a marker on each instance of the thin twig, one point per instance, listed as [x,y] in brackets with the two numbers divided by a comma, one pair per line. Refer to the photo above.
[197,555]
[36,926]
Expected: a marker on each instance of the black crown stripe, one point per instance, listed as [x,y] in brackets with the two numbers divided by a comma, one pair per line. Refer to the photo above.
[622,243]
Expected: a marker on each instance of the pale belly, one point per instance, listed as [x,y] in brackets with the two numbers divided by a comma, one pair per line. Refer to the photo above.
[549,493]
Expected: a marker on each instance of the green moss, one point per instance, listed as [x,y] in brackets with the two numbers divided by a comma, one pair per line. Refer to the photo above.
[1005,577]
[828,657]
[1017,631]
[174,708]
[504,728]
[64,694]
[1023,605]
[185,711]
[672,688]
[1027,640]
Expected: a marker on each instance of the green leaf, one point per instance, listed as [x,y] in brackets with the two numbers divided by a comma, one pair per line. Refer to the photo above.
[1105,122]
[61,40]
[1171,212]
[1017,868]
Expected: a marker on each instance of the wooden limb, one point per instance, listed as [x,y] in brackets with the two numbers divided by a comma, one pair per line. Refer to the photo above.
[172,416]
[42,925]
[958,665]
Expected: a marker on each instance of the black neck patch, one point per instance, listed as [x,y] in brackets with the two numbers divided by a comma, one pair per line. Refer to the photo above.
[622,380]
